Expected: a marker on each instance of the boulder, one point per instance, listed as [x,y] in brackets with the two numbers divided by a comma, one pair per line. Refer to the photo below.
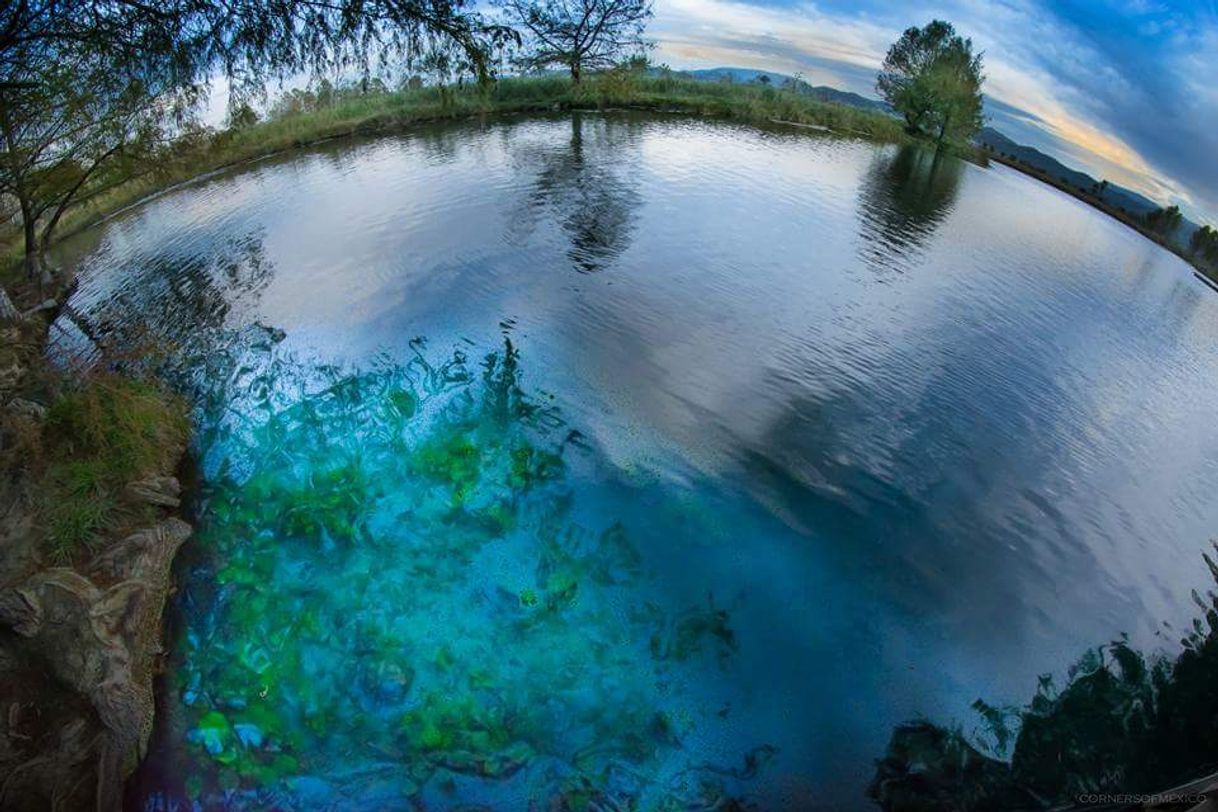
[80,650]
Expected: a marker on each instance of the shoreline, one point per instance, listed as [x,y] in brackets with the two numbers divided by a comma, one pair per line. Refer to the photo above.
[198,156]
[85,576]
[1207,274]
[195,157]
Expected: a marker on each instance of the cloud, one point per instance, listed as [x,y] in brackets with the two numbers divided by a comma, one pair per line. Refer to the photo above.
[1124,88]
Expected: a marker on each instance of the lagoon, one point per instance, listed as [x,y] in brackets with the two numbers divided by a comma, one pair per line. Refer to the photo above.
[621,458]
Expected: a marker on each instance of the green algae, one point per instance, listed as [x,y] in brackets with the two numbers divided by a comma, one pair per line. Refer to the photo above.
[400,581]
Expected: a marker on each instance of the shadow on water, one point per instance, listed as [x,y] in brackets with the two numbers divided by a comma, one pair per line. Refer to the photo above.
[593,204]
[1124,723]
[401,602]
[904,197]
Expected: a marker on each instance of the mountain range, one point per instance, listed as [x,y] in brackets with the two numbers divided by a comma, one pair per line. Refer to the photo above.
[820,92]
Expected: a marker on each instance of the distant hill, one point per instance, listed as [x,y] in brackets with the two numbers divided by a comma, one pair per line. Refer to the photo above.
[820,92]
[1114,195]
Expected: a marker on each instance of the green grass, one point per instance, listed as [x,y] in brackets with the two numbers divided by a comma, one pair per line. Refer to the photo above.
[100,436]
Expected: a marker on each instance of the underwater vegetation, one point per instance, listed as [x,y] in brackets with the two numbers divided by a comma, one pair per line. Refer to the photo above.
[402,601]
[1124,722]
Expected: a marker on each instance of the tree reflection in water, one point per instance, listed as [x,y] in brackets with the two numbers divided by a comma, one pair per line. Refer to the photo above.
[1124,722]
[903,198]
[591,202]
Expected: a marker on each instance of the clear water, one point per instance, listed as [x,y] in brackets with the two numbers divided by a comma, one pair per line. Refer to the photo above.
[613,460]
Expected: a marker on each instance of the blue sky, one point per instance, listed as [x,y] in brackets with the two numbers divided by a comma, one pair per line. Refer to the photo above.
[1124,89]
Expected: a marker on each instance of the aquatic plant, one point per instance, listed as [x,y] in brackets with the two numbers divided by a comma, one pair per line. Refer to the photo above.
[402,600]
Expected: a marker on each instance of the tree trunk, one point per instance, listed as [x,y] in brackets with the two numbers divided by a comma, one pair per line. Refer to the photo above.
[33,265]
[575,72]
[34,268]
[8,310]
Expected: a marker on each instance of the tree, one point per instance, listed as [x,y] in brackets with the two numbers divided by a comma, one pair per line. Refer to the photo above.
[83,81]
[932,77]
[579,35]
[955,84]
[1164,221]
[764,80]
[242,116]
[246,40]
[61,128]
[1204,244]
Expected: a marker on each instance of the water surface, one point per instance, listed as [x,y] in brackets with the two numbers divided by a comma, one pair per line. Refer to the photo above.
[627,459]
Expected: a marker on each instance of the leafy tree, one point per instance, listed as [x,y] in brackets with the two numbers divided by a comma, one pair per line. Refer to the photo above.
[62,128]
[242,116]
[1164,221]
[579,35]
[932,77]
[246,40]
[764,80]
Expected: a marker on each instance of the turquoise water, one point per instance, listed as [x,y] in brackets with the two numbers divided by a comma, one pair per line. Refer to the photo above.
[633,462]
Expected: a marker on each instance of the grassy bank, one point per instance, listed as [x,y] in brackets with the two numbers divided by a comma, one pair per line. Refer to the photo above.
[349,114]
[101,435]
[76,457]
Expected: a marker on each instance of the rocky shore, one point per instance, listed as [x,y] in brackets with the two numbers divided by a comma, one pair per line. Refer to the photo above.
[81,627]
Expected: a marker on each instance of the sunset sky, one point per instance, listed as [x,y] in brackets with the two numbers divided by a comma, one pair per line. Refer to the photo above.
[1124,89]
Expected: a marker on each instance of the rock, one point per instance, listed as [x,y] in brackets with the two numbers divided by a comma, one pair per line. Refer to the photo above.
[96,634]
[163,491]
[27,408]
